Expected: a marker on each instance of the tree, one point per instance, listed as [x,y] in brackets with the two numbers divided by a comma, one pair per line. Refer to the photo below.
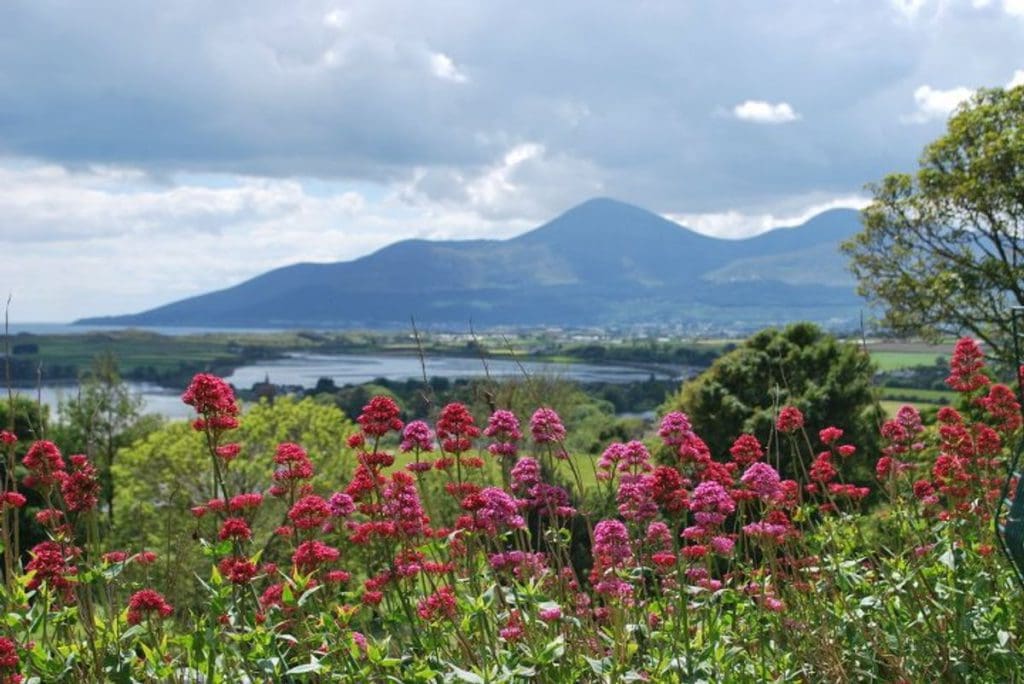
[829,381]
[942,251]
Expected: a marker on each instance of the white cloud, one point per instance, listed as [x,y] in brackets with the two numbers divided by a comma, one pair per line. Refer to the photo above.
[736,224]
[1014,8]
[442,66]
[909,8]
[759,111]
[934,103]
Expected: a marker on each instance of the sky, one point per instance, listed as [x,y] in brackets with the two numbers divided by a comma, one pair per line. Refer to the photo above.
[153,151]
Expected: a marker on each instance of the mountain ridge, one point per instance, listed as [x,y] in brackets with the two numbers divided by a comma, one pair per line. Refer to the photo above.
[602,262]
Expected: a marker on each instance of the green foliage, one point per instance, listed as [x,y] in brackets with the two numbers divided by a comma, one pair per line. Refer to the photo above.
[828,380]
[162,476]
[943,250]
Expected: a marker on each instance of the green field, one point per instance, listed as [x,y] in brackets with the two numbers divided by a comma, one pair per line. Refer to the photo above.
[889,360]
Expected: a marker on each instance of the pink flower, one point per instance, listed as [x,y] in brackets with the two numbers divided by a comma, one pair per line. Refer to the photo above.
[546,427]
[675,429]
[763,480]
[551,614]
[402,504]
[417,435]
[341,505]
[499,511]
[635,498]
[611,543]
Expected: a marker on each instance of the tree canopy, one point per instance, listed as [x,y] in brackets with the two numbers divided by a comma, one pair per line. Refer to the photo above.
[742,391]
[942,250]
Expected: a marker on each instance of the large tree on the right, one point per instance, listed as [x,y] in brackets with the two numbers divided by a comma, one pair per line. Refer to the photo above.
[942,250]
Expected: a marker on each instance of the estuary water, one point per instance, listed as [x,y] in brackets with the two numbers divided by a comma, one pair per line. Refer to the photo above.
[303,370]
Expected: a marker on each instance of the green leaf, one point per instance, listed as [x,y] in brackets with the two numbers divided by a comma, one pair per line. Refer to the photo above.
[313,666]
[466,676]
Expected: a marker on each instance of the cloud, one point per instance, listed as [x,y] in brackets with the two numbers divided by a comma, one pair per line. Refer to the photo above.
[1014,8]
[442,66]
[736,224]
[759,111]
[933,103]
[199,146]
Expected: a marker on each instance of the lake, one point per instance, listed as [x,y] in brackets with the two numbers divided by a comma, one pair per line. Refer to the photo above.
[303,370]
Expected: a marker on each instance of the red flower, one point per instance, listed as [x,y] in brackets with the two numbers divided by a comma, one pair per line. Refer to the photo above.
[237,569]
[45,464]
[312,554]
[790,419]
[965,368]
[236,529]
[7,437]
[145,603]
[309,512]
[380,417]
[456,428]
[81,487]
[746,449]
[441,604]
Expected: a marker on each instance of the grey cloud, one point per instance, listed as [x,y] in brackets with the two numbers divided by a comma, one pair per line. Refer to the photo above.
[632,93]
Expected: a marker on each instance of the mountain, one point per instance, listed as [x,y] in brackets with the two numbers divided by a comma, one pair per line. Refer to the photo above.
[603,262]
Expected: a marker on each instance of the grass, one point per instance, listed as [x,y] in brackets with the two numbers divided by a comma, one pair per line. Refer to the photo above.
[896,360]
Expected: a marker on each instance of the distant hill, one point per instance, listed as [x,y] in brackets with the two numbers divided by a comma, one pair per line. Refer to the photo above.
[603,262]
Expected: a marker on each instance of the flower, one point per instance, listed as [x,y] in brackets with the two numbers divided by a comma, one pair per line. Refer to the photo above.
[380,417]
[236,529]
[237,569]
[417,435]
[611,543]
[498,511]
[311,554]
[965,367]
[503,427]
[546,427]
[456,428]
[214,400]
[402,504]
[439,605]
[763,480]
[44,463]
[790,419]
[829,435]
[675,429]
[145,603]
[341,505]
[81,487]
[746,449]
[309,512]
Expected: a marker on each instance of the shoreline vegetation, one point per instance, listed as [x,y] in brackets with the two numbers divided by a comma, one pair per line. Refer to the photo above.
[908,371]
